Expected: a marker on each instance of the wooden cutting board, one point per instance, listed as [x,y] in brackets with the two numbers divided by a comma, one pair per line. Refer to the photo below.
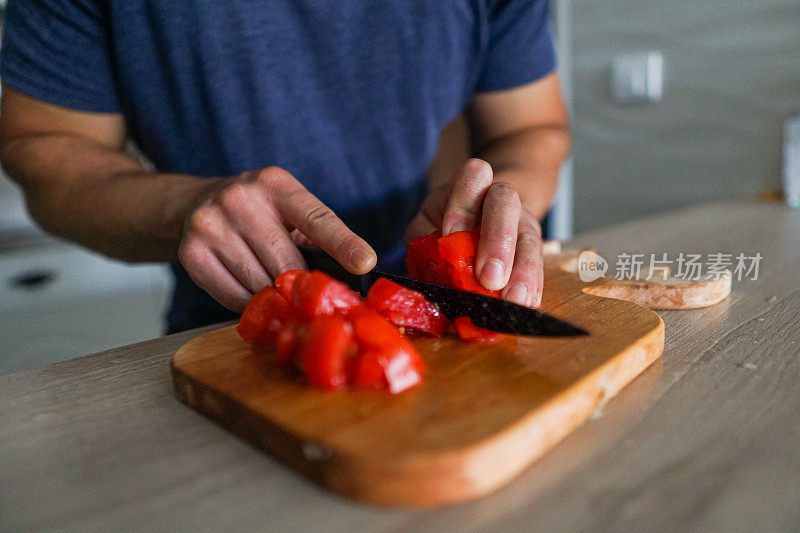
[483,414]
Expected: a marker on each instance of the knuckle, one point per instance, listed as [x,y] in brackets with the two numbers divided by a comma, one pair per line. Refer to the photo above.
[203,221]
[190,254]
[233,197]
[477,166]
[319,216]
[506,194]
[269,176]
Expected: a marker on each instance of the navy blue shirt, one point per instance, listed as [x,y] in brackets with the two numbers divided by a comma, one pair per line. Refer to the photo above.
[350,96]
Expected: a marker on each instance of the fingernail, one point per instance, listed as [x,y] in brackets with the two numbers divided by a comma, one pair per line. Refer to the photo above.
[492,275]
[360,258]
[518,293]
[458,226]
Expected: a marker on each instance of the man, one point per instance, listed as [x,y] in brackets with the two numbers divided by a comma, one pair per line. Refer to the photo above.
[277,122]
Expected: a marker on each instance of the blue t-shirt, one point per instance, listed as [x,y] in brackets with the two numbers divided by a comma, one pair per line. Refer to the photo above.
[350,96]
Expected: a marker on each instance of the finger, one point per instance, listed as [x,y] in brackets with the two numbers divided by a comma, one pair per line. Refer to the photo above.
[420,225]
[241,261]
[526,281]
[469,185]
[300,240]
[265,238]
[429,218]
[315,220]
[208,272]
[499,226]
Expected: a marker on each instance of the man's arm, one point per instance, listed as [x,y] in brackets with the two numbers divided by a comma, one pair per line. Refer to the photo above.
[79,185]
[232,234]
[523,135]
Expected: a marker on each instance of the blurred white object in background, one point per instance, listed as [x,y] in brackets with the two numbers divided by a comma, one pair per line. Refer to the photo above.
[637,77]
[791,162]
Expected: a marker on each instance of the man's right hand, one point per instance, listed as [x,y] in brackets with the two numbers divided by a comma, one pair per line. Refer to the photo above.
[244,232]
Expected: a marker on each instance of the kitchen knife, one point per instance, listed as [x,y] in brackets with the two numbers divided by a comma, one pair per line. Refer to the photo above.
[484,311]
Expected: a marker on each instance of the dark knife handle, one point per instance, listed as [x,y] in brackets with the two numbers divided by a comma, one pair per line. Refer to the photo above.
[317,259]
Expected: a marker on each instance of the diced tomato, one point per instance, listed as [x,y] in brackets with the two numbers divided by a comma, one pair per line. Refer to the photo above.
[324,353]
[469,332]
[368,373]
[372,330]
[265,315]
[288,342]
[406,307]
[284,283]
[331,335]
[447,260]
[402,367]
[316,293]
[460,248]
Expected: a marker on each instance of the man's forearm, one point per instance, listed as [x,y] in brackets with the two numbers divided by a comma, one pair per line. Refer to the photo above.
[101,198]
[529,160]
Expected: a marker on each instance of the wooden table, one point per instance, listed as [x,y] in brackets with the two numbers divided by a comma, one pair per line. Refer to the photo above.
[707,438]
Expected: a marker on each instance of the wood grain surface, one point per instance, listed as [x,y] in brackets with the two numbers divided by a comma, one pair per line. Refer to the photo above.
[706,439]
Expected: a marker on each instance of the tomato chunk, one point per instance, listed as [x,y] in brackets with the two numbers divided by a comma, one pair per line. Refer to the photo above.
[324,353]
[402,367]
[316,293]
[406,307]
[265,315]
[284,283]
[469,332]
[447,260]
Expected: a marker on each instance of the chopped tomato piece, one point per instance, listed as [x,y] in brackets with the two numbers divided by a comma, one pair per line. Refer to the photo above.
[284,283]
[447,260]
[406,307]
[402,367]
[288,342]
[265,315]
[369,372]
[372,330]
[324,353]
[316,293]
[469,332]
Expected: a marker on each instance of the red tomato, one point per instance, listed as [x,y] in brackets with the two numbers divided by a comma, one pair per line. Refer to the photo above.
[402,367]
[288,342]
[469,332]
[371,330]
[324,353]
[405,307]
[368,373]
[316,293]
[265,315]
[447,260]
[284,283]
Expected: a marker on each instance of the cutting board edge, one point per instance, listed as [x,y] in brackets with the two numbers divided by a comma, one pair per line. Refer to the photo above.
[440,478]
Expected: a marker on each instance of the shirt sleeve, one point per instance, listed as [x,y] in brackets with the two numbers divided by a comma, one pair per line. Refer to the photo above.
[520,48]
[58,51]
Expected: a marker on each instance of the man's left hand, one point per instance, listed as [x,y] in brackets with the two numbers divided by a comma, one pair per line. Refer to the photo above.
[510,247]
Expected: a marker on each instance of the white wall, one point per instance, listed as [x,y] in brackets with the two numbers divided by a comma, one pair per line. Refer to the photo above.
[732,75]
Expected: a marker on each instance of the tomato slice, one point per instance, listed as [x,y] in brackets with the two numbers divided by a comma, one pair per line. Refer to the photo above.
[406,307]
[469,332]
[284,283]
[325,351]
[316,294]
[265,315]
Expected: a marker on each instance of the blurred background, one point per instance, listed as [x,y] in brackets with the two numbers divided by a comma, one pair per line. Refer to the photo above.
[673,103]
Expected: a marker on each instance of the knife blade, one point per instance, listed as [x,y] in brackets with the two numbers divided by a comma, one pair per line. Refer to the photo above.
[484,311]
